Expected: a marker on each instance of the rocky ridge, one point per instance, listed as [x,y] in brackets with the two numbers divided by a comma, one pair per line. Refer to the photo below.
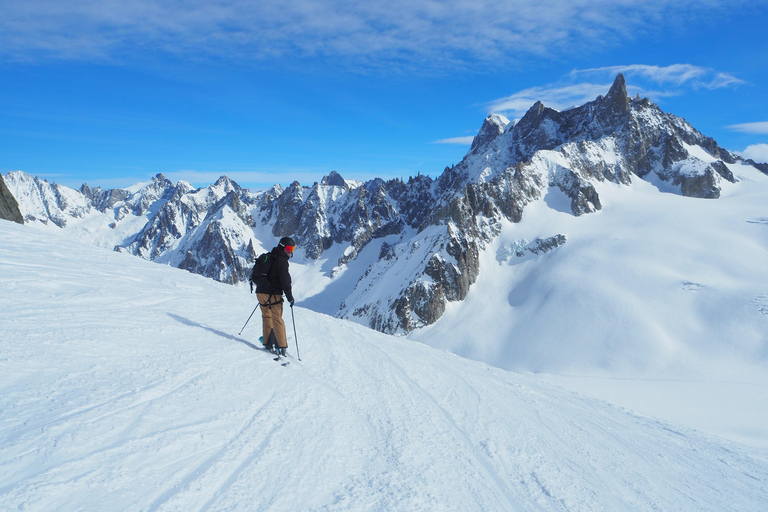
[9,208]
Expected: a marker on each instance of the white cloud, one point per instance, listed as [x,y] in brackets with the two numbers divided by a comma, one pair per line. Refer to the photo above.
[413,33]
[756,152]
[579,86]
[464,141]
[675,74]
[759,128]
[557,97]
[561,97]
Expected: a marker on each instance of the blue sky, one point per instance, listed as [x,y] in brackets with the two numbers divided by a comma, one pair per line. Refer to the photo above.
[111,92]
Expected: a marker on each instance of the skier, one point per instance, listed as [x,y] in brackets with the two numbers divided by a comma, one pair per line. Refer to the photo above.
[270,297]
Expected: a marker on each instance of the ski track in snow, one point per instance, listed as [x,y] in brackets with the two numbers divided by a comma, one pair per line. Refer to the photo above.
[123,386]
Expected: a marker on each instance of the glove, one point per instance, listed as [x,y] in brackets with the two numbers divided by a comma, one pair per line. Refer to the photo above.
[291,301]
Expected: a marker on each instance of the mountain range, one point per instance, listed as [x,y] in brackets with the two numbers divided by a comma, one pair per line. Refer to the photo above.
[393,255]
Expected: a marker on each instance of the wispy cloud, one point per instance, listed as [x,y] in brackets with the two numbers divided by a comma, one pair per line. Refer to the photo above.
[756,152]
[758,128]
[462,141]
[581,86]
[675,74]
[413,33]
[556,96]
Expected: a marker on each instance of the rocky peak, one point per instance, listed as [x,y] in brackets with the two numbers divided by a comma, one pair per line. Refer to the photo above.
[155,189]
[612,110]
[287,210]
[88,191]
[535,126]
[492,127]
[334,179]
[161,183]
[226,185]
[234,202]
[102,200]
[534,115]
[617,97]
[539,128]
[160,188]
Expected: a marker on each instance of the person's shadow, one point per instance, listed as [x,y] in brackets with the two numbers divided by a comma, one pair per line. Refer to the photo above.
[187,321]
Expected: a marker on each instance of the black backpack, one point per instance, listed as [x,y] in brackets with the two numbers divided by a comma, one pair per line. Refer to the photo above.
[261,269]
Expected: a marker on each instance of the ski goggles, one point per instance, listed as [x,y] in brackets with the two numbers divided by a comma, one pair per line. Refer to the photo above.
[290,248]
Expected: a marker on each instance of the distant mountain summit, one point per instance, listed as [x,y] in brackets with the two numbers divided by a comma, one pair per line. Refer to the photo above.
[610,138]
[394,253]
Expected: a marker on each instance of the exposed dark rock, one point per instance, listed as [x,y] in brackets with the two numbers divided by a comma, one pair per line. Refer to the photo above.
[334,179]
[9,208]
[762,167]
[492,127]
[288,208]
[103,200]
[703,186]
[544,245]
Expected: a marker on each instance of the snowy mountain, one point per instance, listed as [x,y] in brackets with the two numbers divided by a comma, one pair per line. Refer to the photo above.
[124,386]
[395,255]
[206,231]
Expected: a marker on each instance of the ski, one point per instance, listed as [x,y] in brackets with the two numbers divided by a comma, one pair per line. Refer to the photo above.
[279,357]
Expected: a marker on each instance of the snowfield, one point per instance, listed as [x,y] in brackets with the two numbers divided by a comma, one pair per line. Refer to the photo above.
[657,303]
[124,386]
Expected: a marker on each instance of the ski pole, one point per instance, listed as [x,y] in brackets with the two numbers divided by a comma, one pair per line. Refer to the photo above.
[249,319]
[295,338]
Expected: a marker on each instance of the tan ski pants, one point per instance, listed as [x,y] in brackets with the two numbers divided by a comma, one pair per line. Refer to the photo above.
[272,318]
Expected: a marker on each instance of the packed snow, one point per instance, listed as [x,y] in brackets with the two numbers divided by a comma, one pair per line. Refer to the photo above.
[124,385]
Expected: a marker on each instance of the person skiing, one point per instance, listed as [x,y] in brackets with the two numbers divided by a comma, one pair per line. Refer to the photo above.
[270,296]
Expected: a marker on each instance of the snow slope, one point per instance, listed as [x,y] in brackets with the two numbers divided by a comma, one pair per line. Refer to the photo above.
[657,303]
[124,386]
[652,280]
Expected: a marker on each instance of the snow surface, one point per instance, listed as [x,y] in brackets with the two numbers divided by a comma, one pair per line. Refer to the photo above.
[657,303]
[651,280]
[124,386]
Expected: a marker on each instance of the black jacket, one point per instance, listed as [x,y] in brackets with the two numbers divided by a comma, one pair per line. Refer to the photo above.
[278,276]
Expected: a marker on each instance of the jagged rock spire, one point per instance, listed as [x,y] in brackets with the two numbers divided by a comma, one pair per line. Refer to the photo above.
[533,114]
[617,98]
[334,179]
[533,119]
